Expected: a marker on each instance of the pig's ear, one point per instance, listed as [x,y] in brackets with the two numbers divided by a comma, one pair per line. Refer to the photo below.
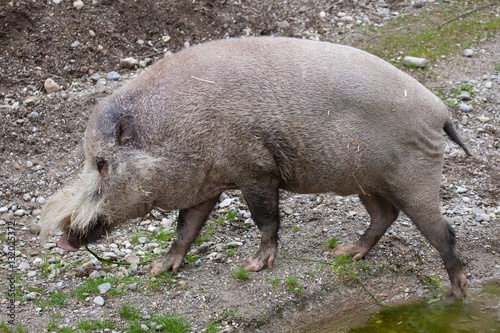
[124,131]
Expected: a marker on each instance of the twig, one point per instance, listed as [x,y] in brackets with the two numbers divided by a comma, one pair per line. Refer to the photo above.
[467,13]
[202,80]
[152,55]
[111,262]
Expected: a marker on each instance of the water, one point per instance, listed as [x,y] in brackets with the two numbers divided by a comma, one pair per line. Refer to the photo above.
[479,313]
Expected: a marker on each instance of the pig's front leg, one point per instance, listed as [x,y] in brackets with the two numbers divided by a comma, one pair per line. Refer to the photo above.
[189,224]
[263,204]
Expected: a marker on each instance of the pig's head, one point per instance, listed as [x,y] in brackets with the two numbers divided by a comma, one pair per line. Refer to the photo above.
[116,183]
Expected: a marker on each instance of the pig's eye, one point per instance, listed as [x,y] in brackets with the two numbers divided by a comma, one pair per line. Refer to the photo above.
[101,164]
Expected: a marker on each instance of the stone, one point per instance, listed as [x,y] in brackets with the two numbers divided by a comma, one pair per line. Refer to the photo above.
[113,76]
[34,228]
[287,210]
[164,39]
[78,4]
[468,53]
[99,301]
[95,77]
[50,86]
[488,85]
[415,62]
[95,274]
[283,25]
[104,288]
[129,63]
[464,96]
[483,119]
[464,107]
[226,202]
[24,265]
[132,259]
[19,212]
[75,44]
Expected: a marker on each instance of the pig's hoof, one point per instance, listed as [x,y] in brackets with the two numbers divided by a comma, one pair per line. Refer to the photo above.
[156,268]
[258,261]
[354,250]
[161,265]
[459,287]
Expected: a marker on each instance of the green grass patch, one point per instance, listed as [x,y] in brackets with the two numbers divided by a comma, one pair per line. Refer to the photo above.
[275,282]
[172,323]
[293,285]
[93,325]
[164,235]
[240,273]
[332,243]
[129,312]
[56,298]
[4,328]
[437,31]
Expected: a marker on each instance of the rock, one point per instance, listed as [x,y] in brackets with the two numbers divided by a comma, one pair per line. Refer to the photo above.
[23,266]
[50,86]
[30,100]
[33,116]
[75,44]
[132,269]
[34,228]
[287,210]
[234,244]
[283,25]
[142,240]
[132,259]
[129,63]
[26,196]
[468,53]
[415,62]
[464,107]
[226,202]
[57,1]
[488,85]
[19,212]
[104,288]
[95,274]
[78,4]
[483,119]
[95,77]
[99,301]
[461,189]
[164,39]
[109,256]
[348,19]
[322,14]
[113,76]
[197,263]
[485,217]
[464,96]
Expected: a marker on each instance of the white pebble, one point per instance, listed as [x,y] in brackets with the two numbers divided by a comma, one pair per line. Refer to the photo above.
[99,301]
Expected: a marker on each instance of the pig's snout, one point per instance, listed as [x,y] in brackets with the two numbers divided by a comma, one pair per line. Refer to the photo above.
[72,240]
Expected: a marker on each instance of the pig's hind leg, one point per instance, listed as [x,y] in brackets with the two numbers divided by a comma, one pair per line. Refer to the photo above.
[382,213]
[263,204]
[189,224]
[428,219]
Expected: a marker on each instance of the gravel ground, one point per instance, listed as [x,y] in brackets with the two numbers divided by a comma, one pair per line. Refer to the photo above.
[41,150]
